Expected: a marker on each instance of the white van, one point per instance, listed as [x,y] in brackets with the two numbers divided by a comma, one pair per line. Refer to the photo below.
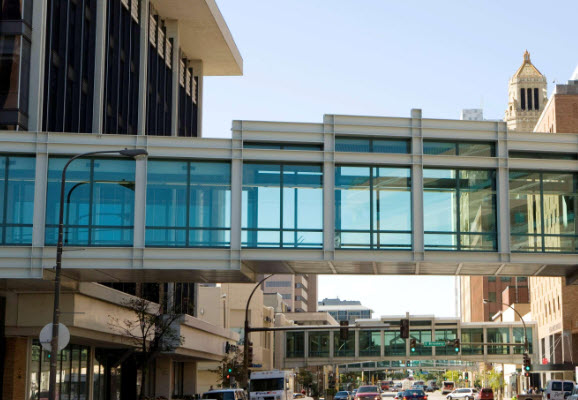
[556,390]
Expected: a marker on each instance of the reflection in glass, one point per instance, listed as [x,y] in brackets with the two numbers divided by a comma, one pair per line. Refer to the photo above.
[473,335]
[393,344]
[318,344]
[282,206]
[459,209]
[468,149]
[446,335]
[295,344]
[518,337]
[421,337]
[344,348]
[99,202]
[543,211]
[188,204]
[369,343]
[369,145]
[372,207]
[16,199]
[498,335]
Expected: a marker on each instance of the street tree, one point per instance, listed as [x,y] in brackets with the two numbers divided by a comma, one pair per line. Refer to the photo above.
[231,365]
[452,375]
[151,328]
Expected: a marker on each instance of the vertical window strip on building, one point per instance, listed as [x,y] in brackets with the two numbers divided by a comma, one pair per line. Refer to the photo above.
[523,98]
[282,206]
[187,120]
[17,174]
[459,210]
[99,203]
[159,77]
[122,68]
[188,204]
[69,68]
[373,207]
[543,211]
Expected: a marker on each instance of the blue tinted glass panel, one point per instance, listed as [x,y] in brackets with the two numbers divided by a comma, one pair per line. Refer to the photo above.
[282,206]
[459,210]
[188,204]
[439,148]
[373,207]
[476,149]
[352,145]
[16,199]
[98,203]
[390,146]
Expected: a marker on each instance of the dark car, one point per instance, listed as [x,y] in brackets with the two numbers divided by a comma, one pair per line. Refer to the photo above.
[343,395]
[368,393]
[414,394]
[430,388]
[485,394]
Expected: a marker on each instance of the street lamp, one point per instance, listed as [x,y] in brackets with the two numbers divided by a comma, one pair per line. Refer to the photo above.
[247,331]
[526,347]
[133,153]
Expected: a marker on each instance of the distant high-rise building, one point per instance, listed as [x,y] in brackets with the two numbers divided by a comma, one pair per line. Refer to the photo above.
[498,290]
[560,114]
[472,114]
[344,310]
[527,96]
[296,290]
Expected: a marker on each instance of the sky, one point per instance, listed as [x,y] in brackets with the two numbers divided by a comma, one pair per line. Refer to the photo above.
[306,58]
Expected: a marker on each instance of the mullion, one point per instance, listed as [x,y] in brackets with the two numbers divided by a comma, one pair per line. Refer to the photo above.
[542,222]
[371,207]
[458,205]
[188,203]
[378,207]
[90,200]
[6,177]
[281,170]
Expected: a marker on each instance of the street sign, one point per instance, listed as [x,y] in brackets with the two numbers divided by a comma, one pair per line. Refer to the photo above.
[46,337]
[434,344]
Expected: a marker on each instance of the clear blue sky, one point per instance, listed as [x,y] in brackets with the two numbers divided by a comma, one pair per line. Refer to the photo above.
[306,58]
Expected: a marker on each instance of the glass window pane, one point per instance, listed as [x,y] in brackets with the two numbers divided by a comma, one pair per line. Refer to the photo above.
[17,176]
[352,145]
[476,149]
[525,203]
[369,343]
[391,146]
[474,335]
[393,344]
[343,348]
[166,194]
[99,202]
[439,148]
[318,344]
[446,335]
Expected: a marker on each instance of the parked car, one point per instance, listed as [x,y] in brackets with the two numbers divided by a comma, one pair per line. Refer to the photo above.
[353,393]
[369,392]
[466,393]
[398,396]
[557,389]
[226,394]
[574,394]
[430,388]
[447,387]
[343,395]
[414,394]
[418,387]
[485,394]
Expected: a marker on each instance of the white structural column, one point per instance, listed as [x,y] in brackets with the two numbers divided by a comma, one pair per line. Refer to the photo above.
[173,33]
[331,345]
[197,66]
[236,189]
[417,184]
[356,343]
[98,106]
[328,187]
[140,194]
[143,67]
[37,62]
[39,222]
[503,193]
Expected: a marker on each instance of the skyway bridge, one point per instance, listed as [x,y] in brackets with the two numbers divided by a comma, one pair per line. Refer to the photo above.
[370,347]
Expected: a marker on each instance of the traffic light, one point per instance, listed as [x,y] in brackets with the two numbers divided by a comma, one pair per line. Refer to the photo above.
[466,376]
[412,345]
[250,350]
[404,328]
[344,330]
[457,345]
[527,365]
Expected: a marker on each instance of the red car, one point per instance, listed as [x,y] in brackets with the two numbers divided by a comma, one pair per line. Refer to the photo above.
[368,393]
[485,394]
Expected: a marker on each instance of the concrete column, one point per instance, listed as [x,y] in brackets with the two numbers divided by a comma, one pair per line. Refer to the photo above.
[356,343]
[236,197]
[143,71]
[173,33]
[382,348]
[328,187]
[331,345]
[40,185]
[306,346]
[503,209]
[197,66]
[164,377]
[140,193]
[98,104]
[189,378]
[37,64]
[417,185]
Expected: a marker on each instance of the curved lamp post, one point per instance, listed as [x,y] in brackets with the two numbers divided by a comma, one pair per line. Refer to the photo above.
[526,347]
[133,153]
[247,332]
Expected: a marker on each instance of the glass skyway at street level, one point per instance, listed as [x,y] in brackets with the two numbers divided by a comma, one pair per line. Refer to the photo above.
[478,341]
[353,195]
